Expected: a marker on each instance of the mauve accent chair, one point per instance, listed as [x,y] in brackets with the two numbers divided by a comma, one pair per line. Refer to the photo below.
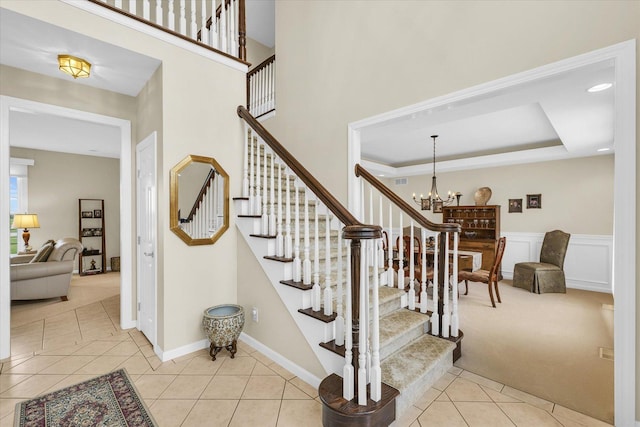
[548,274]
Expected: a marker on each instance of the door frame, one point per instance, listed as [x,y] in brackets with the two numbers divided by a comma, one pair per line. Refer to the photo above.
[7,104]
[624,236]
[150,140]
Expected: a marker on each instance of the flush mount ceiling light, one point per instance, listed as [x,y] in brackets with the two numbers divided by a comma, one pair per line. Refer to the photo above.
[75,67]
[600,87]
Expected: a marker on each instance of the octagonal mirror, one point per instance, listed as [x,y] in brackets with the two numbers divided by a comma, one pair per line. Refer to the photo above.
[199,200]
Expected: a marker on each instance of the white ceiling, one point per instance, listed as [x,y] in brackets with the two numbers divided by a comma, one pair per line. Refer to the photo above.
[552,118]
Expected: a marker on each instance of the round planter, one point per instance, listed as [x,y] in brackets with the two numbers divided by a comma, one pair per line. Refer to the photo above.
[223,324]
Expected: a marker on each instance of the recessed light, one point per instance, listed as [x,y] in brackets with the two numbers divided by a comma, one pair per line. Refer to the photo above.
[381,174]
[600,87]
[600,150]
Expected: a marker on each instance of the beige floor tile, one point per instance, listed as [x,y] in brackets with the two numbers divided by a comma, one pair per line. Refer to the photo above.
[462,390]
[68,365]
[442,414]
[63,350]
[201,365]
[9,380]
[171,412]
[455,370]
[427,398]
[264,387]
[225,387]
[147,350]
[124,348]
[102,365]
[69,381]
[486,382]
[7,406]
[407,418]
[261,369]
[525,415]
[33,365]
[499,397]
[136,365]
[154,362]
[186,387]
[236,366]
[252,413]
[528,398]
[443,398]
[307,388]
[262,358]
[482,414]
[61,341]
[294,393]
[32,386]
[300,413]
[444,381]
[211,413]
[282,372]
[28,329]
[96,348]
[7,421]
[562,412]
[152,386]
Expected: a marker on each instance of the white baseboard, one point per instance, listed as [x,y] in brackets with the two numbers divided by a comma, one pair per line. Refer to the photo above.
[300,372]
[181,351]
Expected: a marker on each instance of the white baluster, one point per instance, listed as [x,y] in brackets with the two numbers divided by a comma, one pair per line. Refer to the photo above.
[265,199]
[213,31]
[455,321]
[146,10]
[232,29]
[412,291]
[192,24]
[171,16]
[245,166]
[390,271]
[381,246]
[297,262]
[316,295]
[362,342]
[159,13]
[118,4]
[423,269]
[446,316]
[435,320]
[222,29]
[348,371]
[288,250]
[204,32]
[306,263]
[376,373]
[339,318]
[272,105]
[132,7]
[183,19]
[279,236]
[252,197]
[401,256]
[328,293]
[258,197]
[272,195]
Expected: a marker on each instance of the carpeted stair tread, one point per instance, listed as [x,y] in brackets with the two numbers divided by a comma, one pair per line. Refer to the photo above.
[398,323]
[407,365]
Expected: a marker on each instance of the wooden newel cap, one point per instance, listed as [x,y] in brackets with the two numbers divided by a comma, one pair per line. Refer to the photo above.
[362,232]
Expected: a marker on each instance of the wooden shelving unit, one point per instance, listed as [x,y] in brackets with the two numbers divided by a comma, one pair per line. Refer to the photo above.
[91,232]
[480,229]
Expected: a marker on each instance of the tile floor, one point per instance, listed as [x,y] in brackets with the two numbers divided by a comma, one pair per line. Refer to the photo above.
[73,345]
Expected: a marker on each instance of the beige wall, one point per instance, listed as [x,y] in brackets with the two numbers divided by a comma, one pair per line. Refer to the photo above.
[54,192]
[257,52]
[577,194]
[340,64]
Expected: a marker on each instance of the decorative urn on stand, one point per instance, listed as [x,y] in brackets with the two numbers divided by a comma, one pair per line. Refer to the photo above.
[223,324]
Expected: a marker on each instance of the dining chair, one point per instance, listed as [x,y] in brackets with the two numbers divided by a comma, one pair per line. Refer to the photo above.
[548,274]
[490,277]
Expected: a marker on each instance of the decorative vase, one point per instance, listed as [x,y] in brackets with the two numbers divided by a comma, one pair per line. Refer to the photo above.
[223,324]
[482,196]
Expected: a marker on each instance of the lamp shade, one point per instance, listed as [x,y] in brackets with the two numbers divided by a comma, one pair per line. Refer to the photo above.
[25,221]
[76,67]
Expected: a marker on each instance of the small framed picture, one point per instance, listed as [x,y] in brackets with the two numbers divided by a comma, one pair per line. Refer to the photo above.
[87,232]
[97,231]
[534,201]
[425,204]
[437,207]
[97,213]
[87,214]
[515,205]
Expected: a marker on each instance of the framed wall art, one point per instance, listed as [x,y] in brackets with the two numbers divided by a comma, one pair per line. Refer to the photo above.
[534,201]
[515,205]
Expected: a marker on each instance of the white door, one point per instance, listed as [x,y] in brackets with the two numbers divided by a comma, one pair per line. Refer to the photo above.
[147,235]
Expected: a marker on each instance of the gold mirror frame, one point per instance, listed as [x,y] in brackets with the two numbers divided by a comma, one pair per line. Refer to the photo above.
[175,223]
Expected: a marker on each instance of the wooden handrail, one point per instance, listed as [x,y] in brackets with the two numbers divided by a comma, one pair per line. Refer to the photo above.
[261,65]
[404,206]
[201,194]
[305,176]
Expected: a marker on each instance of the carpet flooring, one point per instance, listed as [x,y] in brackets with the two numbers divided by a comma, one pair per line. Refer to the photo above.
[547,345]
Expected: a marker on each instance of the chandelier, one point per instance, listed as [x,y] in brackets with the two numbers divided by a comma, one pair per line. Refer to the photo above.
[433,198]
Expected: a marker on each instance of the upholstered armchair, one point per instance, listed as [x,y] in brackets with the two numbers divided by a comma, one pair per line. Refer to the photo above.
[47,274]
[548,274]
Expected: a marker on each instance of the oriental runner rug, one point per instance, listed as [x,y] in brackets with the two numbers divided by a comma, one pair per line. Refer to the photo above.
[107,400]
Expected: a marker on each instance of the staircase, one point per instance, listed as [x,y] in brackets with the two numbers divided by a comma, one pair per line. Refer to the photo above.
[305,251]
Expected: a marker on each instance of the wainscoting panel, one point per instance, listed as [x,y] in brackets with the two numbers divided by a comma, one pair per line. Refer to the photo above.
[587,266]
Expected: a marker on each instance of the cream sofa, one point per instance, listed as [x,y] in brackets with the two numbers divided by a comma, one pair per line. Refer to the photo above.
[48,279]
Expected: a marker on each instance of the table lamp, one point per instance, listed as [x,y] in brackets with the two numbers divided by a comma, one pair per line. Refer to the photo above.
[25,221]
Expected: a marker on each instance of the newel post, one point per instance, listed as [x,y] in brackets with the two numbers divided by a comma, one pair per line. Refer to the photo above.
[443,276]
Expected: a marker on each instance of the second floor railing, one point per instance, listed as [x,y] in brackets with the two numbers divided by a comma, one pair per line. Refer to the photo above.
[217,24]
[261,88]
